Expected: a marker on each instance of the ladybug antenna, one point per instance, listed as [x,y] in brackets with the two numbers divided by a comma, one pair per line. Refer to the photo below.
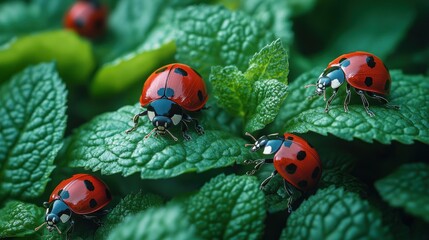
[249,145]
[250,135]
[57,229]
[174,138]
[37,228]
[309,85]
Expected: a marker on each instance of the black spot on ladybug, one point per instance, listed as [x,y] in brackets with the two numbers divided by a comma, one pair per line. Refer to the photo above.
[370,61]
[301,155]
[291,168]
[108,195]
[169,92]
[387,85]
[89,185]
[290,138]
[200,95]
[287,143]
[64,194]
[344,62]
[181,71]
[161,70]
[315,173]
[303,184]
[79,22]
[368,81]
[92,203]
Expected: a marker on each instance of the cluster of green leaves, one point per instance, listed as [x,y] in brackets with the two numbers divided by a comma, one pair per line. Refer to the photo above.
[64,109]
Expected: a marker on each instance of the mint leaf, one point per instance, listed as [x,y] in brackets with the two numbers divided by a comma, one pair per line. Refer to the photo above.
[407,187]
[255,95]
[228,207]
[32,124]
[333,213]
[131,204]
[212,35]
[406,125]
[339,178]
[102,144]
[169,222]
[75,62]
[18,219]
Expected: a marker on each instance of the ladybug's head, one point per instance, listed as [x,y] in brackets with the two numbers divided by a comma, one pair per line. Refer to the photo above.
[164,113]
[269,145]
[56,212]
[330,77]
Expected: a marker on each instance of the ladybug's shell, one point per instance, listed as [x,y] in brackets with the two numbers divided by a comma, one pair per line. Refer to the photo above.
[298,163]
[177,82]
[87,18]
[364,71]
[83,193]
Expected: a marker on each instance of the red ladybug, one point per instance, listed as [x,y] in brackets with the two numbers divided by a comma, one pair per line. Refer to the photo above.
[87,17]
[363,71]
[294,159]
[168,94]
[82,194]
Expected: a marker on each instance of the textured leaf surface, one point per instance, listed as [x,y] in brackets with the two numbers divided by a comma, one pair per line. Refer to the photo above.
[167,222]
[406,125]
[212,35]
[255,95]
[75,62]
[408,188]
[228,207]
[102,144]
[333,213]
[131,204]
[18,219]
[32,124]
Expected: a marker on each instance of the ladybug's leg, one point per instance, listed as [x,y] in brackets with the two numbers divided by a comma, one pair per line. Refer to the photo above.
[70,230]
[185,128]
[293,195]
[347,99]
[136,121]
[382,99]
[334,93]
[365,102]
[198,127]
[268,179]
[259,163]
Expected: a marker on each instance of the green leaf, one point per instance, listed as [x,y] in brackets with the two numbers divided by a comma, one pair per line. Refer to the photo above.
[131,204]
[75,62]
[102,144]
[169,222]
[212,35]
[32,124]
[406,125]
[408,188]
[338,178]
[333,213]
[18,219]
[228,207]
[255,95]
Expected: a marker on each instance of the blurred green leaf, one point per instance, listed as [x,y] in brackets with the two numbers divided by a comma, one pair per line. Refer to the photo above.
[212,35]
[169,222]
[32,124]
[102,144]
[256,94]
[75,62]
[333,213]
[18,219]
[406,125]
[408,188]
[228,207]
[131,204]
[339,178]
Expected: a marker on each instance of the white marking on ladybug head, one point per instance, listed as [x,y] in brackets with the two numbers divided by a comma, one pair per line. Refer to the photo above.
[267,150]
[176,118]
[151,115]
[335,83]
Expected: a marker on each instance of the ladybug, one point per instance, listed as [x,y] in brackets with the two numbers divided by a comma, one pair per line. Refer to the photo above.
[168,94]
[294,159]
[82,194]
[87,17]
[363,71]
